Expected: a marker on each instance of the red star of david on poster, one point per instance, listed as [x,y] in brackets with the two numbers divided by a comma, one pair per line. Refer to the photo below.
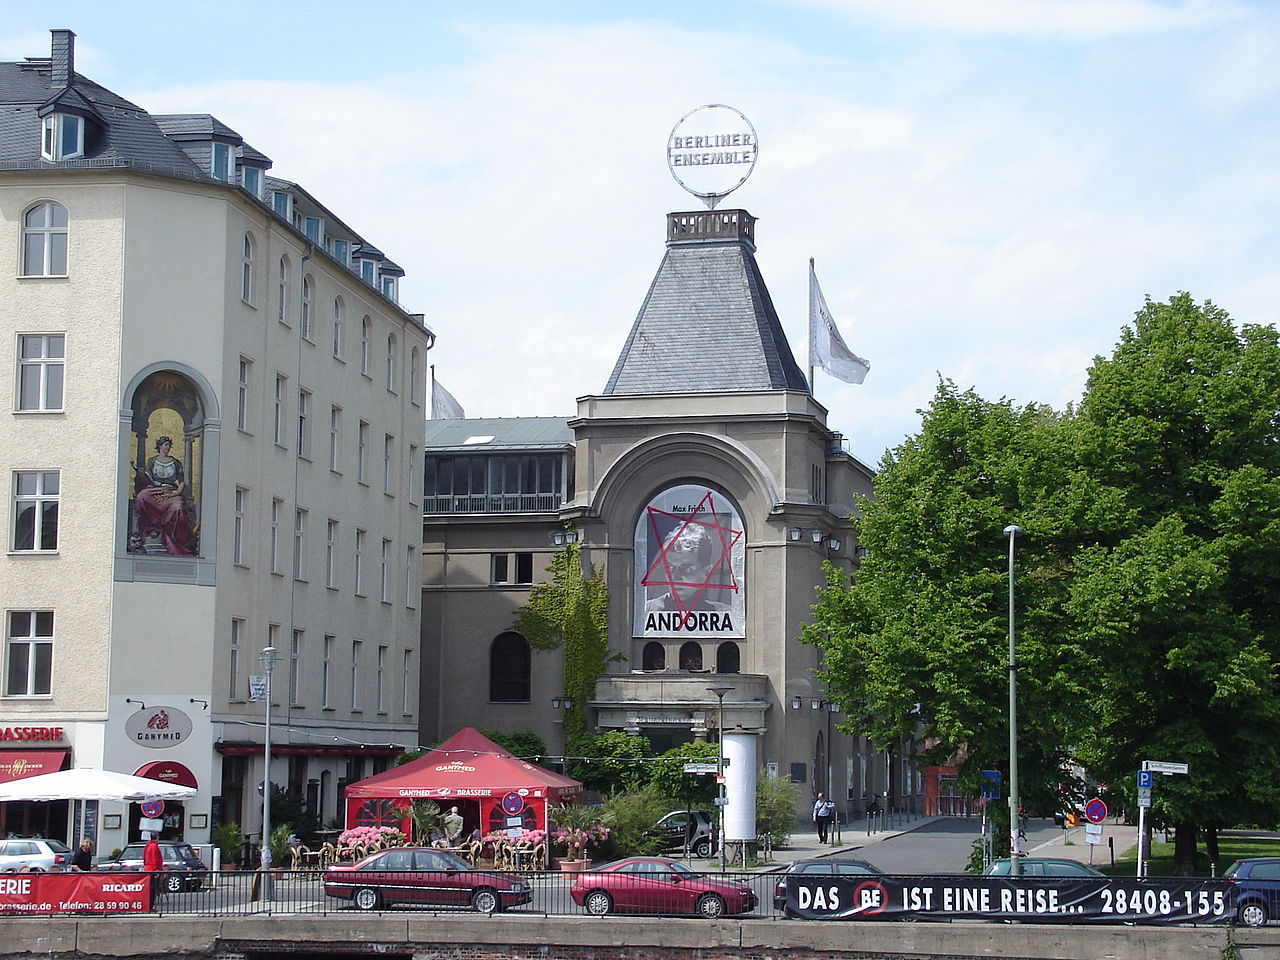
[694,557]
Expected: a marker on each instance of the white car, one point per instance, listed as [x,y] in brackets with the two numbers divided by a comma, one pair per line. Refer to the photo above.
[35,854]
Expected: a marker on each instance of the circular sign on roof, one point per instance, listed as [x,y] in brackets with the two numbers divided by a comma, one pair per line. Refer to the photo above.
[712,151]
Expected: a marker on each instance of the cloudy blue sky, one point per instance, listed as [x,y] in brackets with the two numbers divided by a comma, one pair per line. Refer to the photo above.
[989,187]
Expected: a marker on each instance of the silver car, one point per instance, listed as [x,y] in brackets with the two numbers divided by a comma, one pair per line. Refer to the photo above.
[34,854]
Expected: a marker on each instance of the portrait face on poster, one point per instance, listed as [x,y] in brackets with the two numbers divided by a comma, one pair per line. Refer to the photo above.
[690,551]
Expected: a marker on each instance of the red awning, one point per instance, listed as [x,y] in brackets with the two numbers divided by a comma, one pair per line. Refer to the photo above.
[168,771]
[16,764]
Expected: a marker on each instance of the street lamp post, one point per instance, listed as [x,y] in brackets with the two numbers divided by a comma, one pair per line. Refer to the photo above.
[268,659]
[1015,845]
[720,690]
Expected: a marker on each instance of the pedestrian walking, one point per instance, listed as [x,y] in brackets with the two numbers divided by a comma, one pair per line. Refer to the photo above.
[823,811]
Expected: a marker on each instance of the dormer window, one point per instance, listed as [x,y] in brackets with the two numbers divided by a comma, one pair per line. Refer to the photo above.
[223,164]
[368,271]
[62,137]
[388,287]
[251,180]
[281,202]
[312,227]
[342,251]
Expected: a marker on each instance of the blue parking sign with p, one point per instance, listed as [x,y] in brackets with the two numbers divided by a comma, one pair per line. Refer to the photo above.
[1144,779]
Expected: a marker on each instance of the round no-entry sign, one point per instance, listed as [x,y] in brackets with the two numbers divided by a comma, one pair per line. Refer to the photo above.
[1095,811]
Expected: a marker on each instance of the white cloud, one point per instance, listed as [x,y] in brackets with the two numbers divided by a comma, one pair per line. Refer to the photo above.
[1079,18]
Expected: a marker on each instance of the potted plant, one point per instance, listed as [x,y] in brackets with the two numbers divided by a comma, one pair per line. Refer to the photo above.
[578,830]
[279,844]
[228,839]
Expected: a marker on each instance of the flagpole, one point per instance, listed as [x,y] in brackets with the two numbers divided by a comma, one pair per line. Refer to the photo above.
[811,306]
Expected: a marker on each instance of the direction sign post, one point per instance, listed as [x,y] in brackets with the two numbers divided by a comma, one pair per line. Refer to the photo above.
[1144,802]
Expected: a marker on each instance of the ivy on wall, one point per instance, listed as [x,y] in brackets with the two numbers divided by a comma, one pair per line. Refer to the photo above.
[570,609]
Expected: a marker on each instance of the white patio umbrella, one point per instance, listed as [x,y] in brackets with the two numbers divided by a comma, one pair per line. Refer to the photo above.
[86,784]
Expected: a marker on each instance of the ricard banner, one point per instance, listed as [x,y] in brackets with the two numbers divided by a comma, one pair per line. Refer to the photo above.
[689,553]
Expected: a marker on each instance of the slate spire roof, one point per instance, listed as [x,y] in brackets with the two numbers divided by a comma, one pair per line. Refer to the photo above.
[708,324]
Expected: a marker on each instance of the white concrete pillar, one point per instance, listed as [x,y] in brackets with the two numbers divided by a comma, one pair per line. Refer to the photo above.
[740,785]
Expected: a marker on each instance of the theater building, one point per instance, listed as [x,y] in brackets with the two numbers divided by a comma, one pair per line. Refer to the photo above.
[704,481]
[212,446]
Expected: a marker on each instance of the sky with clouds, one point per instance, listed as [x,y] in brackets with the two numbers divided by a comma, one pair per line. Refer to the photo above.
[989,188]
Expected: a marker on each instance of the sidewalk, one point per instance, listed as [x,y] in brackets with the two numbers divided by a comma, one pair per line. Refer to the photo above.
[804,845]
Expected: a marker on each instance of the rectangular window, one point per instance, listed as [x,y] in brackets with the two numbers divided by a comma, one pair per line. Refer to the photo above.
[406,688]
[511,568]
[29,654]
[367,271]
[384,573]
[282,384]
[411,475]
[313,227]
[246,271]
[233,667]
[335,436]
[388,460]
[331,554]
[40,371]
[223,166]
[356,646]
[382,672]
[359,563]
[342,252]
[237,526]
[299,543]
[411,586]
[326,671]
[251,180]
[35,509]
[242,394]
[388,287]
[281,202]
[277,510]
[304,424]
[295,666]
[362,452]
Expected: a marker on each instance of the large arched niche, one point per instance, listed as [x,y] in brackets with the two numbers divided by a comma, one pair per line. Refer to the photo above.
[167,498]
[664,461]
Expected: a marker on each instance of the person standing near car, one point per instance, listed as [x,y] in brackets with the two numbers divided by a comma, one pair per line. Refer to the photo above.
[823,811]
[83,860]
[153,865]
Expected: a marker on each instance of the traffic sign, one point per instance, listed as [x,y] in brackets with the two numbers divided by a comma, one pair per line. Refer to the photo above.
[1160,766]
[990,784]
[700,768]
[1144,779]
[1144,800]
[720,801]
[1093,833]
[1095,811]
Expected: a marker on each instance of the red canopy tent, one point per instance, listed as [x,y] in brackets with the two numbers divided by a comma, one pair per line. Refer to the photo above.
[493,789]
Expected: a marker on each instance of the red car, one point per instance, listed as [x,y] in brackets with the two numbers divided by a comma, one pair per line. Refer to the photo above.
[423,875]
[659,885]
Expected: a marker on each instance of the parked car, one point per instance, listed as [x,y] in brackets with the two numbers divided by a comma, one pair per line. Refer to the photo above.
[1257,883]
[694,828]
[828,866]
[423,875]
[35,854]
[183,868]
[658,885]
[1043,867]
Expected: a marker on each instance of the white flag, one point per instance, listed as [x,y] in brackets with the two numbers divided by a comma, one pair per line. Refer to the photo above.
[443,405]
[826,347]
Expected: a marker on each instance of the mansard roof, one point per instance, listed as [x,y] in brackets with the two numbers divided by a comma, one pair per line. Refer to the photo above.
[708,324]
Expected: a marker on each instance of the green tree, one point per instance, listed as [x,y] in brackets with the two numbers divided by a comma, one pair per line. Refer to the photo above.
[570,610]
[630,816]
[667,774]
[609,762]
[525,744]
[917,645]
[1175,602]
[775,807]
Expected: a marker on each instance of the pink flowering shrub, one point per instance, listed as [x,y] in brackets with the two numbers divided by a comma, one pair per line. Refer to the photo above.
[366,835]
[578,840]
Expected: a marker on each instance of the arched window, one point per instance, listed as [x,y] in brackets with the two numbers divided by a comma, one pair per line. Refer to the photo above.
[415,374]
[246,270]
[366,330]
[44,240]
[728,660]
[654,656]
[304,319]
[391,363]
[691,656]
[337,327]
[510,665]
[282,307]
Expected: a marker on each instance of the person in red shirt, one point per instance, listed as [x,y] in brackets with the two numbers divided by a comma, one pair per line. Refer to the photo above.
[153,864]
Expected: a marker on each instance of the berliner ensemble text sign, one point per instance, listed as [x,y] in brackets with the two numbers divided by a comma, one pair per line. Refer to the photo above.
[712,151]
[1037,899]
